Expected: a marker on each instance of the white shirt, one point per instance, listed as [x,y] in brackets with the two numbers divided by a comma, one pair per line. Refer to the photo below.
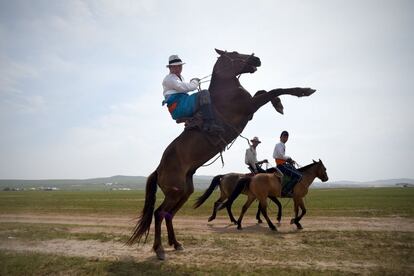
[172,84]
[251,157]
[279,151]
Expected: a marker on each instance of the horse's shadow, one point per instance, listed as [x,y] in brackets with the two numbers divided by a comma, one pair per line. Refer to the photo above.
[261,228]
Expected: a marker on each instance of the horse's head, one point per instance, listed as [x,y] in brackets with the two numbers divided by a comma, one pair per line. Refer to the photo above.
[321,171]
[231,64]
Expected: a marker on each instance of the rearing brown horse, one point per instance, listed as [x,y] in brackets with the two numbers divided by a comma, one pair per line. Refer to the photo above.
[192,148]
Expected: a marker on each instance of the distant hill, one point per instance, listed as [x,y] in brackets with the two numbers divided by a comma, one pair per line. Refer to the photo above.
[201,182]
[377,183]
[106,183]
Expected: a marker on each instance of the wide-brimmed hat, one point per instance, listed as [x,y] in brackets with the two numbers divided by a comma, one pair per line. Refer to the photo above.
[255,139]
[174,60]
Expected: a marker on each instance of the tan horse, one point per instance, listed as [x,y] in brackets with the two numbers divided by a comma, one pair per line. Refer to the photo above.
[264,185]
[192,148]
[227,184]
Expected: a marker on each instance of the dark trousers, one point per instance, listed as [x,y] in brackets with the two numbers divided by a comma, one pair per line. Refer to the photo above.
[291,172]
[258,169]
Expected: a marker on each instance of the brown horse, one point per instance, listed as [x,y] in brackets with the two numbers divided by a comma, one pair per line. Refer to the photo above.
[227,184]
[192,148]
[264,185]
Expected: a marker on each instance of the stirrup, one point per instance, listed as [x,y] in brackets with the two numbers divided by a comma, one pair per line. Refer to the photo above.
[183,120]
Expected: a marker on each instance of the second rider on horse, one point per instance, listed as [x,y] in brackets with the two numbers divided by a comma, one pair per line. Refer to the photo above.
[182,105]
[251,157]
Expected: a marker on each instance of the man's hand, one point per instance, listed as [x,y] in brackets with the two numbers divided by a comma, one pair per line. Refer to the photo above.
[195,79]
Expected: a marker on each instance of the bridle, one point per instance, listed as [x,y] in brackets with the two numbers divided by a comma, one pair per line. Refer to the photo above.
[233,60]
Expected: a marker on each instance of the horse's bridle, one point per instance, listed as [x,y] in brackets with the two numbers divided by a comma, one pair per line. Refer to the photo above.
[232,60]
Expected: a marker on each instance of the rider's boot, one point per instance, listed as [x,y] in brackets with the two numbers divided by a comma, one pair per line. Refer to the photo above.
[287,190]
[209,123]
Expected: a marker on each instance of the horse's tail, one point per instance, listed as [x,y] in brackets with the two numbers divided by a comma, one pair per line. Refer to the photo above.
[242,183]
[144,222]
[214,183]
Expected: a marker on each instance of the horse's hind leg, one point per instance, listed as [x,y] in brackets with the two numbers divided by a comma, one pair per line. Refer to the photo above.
[183,196]
[279,205]
[171,200]
[158,217]
[170,229]
[229,212]
[263,206]
[246,206]
[259,220]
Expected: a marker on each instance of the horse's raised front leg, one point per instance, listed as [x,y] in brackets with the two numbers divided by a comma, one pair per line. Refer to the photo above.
[262,97]
[246,206]
[216,204]
[230,213]
[303,212]
[296,219]
[263,206]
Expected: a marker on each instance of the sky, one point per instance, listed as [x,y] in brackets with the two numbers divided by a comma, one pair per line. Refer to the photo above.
[80,83]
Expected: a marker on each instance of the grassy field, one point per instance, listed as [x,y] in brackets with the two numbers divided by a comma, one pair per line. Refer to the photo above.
[65,247]
[319,202]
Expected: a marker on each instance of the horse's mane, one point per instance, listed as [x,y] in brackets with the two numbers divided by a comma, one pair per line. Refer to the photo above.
[306,167]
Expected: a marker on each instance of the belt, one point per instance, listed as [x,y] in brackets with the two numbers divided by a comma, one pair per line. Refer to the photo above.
[280,161]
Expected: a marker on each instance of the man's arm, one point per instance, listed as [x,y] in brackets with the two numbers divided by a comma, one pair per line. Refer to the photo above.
[179,86]
[279,153]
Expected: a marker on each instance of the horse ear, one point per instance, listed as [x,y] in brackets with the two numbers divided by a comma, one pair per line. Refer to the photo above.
[314,161]
[320,160]
[220,52]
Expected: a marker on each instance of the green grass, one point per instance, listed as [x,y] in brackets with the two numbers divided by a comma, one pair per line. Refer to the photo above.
[228,253]
[46,264]
[42,231]
[368,252]
[365,202]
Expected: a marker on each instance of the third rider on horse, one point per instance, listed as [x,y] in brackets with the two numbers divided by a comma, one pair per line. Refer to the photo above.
[285,164]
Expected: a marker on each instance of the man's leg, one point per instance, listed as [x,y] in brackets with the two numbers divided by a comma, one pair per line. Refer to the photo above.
[204,105]
[294,177]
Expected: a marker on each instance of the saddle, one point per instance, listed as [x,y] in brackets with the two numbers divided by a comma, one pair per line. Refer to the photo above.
[196,123]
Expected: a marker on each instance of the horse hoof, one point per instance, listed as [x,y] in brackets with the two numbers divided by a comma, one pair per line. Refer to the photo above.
[160,255]
[239,227]
[300,227]
[210,219]
[292,221]
[274,229]
[179,247]
[259,221]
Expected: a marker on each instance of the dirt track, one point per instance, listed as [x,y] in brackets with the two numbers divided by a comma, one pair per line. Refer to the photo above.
[196,227]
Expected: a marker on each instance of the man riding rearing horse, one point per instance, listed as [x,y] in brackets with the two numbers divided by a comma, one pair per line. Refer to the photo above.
[182,105]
